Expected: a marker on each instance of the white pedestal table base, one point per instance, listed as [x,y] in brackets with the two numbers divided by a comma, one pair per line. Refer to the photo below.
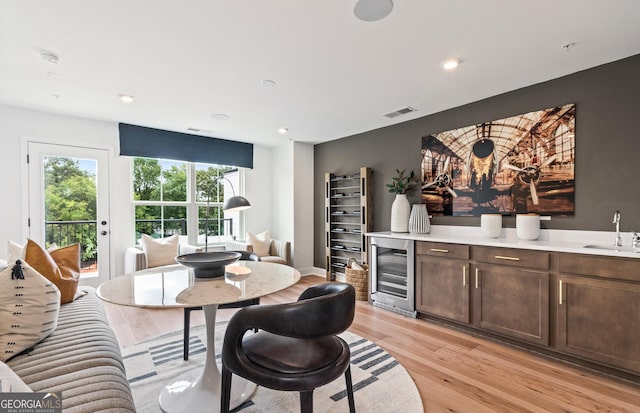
[199,389]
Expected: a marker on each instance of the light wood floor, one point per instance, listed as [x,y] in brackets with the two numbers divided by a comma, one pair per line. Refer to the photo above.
[454,371]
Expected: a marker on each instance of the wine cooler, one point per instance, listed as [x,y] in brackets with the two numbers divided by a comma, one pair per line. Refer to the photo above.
[393,275]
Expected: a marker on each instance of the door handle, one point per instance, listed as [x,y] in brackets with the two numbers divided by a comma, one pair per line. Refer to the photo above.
[103,232]
[502,257]
[476,278]
[464,275]
[439,250]
[560,291]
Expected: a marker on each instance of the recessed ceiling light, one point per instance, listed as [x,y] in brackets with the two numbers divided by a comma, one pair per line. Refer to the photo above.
[220,116]
[126,98]
[268,83]
[451,64]
[283,130]
[50,57]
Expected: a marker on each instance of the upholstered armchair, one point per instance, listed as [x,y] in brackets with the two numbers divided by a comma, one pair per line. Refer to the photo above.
[279,251]
[136,259]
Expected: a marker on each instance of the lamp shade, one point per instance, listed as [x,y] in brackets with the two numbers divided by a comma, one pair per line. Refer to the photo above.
[236,203]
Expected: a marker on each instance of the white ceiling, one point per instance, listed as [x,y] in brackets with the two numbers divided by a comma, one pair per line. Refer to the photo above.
[335,75]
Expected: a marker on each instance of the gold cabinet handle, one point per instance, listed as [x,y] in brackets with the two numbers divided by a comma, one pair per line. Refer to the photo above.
[560,291]
[464,275]
[439,250]
[502,257]
[476,278]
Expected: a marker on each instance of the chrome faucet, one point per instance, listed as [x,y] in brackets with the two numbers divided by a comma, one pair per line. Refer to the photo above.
[616,220]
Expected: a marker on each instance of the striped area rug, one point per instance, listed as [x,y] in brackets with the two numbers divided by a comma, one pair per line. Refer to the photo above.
[380,383]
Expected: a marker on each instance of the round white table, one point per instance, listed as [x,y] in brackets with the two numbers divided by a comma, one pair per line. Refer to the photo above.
[175,286]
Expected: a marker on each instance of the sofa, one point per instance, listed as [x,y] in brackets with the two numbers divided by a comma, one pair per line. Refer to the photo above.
[279,251]
[81,359]
[135,259]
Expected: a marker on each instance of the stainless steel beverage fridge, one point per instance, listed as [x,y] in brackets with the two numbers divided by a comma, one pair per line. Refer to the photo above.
[393,275]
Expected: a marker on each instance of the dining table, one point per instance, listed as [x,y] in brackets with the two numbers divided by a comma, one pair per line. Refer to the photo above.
[174,286]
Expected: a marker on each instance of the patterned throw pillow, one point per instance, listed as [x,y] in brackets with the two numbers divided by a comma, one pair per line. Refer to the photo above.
[29,309]
[261,243]
[61,266]
[160,251]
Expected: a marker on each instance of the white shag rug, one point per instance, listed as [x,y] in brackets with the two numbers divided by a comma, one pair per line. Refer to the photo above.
[380,383]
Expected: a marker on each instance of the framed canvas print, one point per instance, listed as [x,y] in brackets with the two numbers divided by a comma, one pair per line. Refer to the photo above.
[519,164]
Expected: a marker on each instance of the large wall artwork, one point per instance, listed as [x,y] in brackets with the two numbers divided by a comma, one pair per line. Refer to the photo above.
[520,164]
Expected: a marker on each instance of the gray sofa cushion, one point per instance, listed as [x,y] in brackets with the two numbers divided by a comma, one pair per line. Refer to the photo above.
[81,359]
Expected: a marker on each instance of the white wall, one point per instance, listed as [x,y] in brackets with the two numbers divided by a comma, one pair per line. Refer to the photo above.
[258,191]
[19,125]
[282,184]
[303,206]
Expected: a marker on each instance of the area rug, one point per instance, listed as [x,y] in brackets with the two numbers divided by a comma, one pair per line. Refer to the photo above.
[380,383]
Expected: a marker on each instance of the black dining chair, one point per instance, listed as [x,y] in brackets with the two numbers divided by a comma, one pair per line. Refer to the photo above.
[297,347]
[246,256]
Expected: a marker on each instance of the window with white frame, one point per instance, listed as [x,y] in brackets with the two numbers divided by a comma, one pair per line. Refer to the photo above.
[184,198]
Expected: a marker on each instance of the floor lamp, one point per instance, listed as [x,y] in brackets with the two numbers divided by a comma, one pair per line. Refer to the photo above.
[234,204]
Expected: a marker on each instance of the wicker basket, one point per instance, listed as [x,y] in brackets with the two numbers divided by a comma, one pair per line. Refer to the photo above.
[359,279]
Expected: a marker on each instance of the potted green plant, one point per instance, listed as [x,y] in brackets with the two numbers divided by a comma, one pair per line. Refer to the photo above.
[400,184]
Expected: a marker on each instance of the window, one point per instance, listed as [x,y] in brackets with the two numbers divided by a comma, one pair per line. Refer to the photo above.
[184,198]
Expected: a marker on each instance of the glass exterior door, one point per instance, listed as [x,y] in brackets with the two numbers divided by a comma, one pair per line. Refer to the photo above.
[68,195]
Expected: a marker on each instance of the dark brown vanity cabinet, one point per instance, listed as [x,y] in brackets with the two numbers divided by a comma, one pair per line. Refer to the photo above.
[511,293]
[442,280]
[598,309]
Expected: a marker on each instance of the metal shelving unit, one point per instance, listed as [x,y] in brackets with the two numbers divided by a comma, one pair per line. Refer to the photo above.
[347,219]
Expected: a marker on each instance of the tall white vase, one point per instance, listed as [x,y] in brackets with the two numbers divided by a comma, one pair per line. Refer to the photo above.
[400,210]
[419,220]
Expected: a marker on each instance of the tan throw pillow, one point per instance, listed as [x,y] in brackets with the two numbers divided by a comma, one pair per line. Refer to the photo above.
[261,243]
[61,266]
[28,309]
[10,382]
[160,251]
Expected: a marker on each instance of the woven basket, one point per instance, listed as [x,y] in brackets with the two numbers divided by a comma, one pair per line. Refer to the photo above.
[359,279]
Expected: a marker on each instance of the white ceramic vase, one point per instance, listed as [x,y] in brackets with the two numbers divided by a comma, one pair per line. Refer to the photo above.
[400,210]
[419,220]
[528,226]
[491,225]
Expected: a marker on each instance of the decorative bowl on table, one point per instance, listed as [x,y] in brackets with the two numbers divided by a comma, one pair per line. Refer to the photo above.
[208,264]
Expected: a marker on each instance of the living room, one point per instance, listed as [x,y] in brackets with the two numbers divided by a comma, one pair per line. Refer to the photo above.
[286,184]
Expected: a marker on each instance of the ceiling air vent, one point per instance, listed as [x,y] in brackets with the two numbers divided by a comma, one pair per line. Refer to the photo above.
[399,112]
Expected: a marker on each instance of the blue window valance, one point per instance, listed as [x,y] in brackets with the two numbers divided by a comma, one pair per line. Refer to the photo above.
[157,143]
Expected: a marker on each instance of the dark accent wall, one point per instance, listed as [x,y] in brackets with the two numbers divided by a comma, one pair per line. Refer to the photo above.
[607,167]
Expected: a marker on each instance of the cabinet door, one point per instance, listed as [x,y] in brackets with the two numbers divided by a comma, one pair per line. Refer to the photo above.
[512,301]
[599,319]
[442,286]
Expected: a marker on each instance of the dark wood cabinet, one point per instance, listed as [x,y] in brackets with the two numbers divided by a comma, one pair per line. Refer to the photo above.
[512,301]
[598,309]
[442,287]
[578,306]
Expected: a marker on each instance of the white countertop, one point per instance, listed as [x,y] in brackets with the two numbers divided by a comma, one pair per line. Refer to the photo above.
[549,240]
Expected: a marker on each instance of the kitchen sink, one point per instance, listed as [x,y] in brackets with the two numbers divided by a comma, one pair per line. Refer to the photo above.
[611,248]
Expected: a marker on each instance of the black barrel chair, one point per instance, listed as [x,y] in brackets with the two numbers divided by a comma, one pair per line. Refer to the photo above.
[246,256]
[296,348]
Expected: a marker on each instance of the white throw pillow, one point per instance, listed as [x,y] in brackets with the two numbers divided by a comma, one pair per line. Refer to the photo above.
[160,251]
[28,310]
[15,252]
[10,382]
[261,243]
